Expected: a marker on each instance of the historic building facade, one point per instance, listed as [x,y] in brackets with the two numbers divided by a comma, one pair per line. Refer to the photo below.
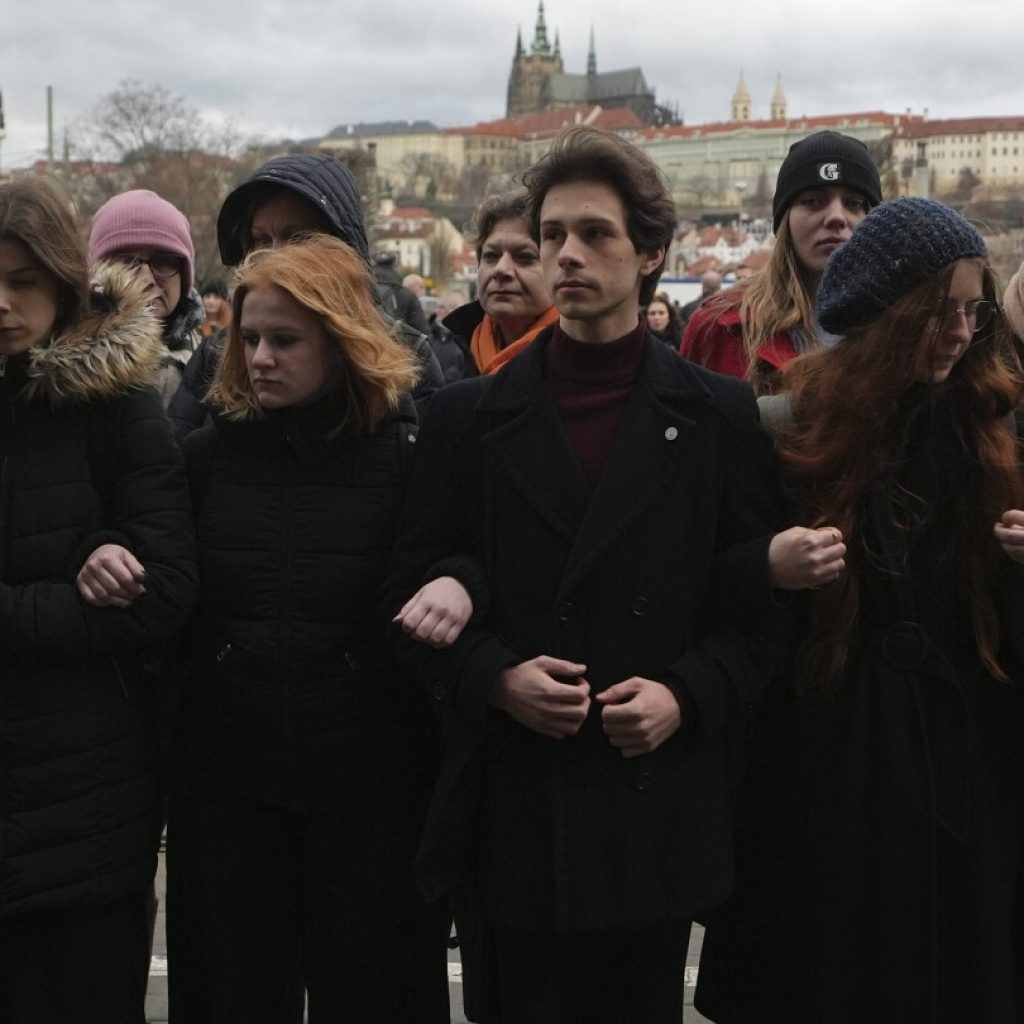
[539,82]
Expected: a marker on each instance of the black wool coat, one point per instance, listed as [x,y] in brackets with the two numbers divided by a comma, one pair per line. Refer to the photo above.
[660,572]
[87,458]
[880,834]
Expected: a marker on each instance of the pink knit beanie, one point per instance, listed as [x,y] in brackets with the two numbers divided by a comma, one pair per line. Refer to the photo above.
[140,219]
[1013,302]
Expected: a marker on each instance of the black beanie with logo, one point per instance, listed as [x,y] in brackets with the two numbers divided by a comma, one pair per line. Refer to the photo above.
[821,160]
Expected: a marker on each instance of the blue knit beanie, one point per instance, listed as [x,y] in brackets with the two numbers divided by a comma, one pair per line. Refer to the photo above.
[899,244]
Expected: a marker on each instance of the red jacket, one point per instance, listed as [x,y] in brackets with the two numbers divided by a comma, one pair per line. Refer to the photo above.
[718,343]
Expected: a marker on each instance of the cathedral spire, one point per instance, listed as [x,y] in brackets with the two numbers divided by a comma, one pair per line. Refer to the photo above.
[741,101]
[778,111]
[541,46]
[591,56]
[558,46]
[519,41]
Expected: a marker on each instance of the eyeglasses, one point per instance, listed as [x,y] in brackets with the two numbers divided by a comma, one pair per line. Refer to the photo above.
[977,314]
[161,264]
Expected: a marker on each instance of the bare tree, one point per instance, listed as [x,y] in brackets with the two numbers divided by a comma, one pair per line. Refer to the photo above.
[136,120]
[882,153]
[426,173]
[475,182]
[700,186]
[146,137]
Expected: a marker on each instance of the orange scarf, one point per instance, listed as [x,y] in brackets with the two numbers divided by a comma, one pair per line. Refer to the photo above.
[489,356]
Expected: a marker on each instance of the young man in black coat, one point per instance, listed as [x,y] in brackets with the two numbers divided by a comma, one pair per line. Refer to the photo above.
[619,502]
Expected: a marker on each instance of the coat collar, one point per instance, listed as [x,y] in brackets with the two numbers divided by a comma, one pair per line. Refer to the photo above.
[663,371]
[530,447]
[465,320]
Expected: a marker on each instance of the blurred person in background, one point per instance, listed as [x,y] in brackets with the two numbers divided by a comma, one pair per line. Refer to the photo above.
[710,284]
[398,301]
[663,321]
[216,306]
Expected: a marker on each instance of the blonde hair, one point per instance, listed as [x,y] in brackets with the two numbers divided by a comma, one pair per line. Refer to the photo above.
[327,277]
[772,301]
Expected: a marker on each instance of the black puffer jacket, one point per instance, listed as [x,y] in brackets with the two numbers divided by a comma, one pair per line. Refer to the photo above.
[87,458]
[295,535]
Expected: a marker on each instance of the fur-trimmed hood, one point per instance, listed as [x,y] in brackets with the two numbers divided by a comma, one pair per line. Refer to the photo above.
[114,348]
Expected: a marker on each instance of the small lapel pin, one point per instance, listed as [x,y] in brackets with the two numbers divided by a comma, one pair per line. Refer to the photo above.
[671,434]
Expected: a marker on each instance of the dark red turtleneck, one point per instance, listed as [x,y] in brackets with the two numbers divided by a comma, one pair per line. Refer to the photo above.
[591,384]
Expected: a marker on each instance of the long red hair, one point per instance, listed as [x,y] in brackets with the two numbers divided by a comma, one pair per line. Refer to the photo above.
[851,405]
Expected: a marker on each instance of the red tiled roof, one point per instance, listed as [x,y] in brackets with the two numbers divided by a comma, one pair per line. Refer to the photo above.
[553,121]
[792,123]
[961,126]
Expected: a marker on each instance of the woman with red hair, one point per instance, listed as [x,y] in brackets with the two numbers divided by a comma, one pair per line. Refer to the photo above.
[305,758]
[881,825]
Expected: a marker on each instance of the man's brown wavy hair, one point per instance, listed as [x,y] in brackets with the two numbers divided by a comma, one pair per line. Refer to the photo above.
[851,406]
[586,153]
[329,278]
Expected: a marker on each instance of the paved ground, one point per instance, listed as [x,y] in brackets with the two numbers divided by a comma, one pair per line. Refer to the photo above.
[156,1001]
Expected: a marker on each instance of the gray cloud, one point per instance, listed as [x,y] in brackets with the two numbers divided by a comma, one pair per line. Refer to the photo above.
[299,68]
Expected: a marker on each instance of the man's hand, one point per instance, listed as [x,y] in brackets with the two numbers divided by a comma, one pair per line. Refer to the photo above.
[639,715]
[437,613]
[1010,534]
[112,577]
[800,558]
[545,694]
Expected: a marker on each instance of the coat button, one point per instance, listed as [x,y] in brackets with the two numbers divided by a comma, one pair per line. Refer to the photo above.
[438,690]
[642,781]
[565,612]
[638,606]
[671,434]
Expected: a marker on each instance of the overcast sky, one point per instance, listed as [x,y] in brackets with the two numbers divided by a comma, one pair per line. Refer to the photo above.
[297,68]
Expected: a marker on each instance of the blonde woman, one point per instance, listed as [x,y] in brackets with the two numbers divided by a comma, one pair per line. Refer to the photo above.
[304,758]
[826,186]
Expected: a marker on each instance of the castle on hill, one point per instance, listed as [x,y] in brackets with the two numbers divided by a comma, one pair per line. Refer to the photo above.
[539,82]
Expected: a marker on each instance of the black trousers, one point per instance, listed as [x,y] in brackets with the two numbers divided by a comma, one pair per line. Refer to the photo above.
[265,906]
[89,965]
[614,976]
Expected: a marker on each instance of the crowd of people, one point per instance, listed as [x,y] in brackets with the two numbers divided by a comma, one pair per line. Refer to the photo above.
[560,615]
